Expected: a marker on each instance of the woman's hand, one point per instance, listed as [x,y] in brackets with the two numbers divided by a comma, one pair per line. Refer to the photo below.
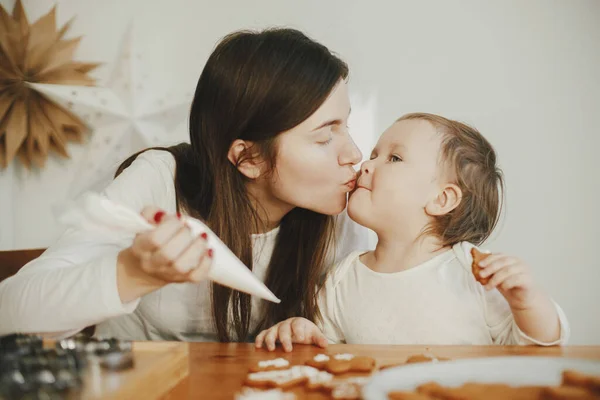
[167,254]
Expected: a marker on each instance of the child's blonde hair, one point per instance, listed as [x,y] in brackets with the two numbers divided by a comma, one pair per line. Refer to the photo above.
[472,162]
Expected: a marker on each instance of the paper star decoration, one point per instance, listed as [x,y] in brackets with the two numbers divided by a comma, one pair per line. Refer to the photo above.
[30,124]
[124,117]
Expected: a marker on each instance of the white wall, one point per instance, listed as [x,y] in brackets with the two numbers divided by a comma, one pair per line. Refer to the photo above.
[524,73]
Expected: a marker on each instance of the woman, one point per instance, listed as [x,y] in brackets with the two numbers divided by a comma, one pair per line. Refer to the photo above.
[270,162]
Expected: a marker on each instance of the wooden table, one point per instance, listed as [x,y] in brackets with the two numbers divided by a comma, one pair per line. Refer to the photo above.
[217,371]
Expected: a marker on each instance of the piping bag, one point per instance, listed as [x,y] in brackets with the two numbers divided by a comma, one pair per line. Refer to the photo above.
[94,212]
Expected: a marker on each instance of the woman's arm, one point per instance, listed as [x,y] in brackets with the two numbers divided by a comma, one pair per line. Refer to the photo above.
[83,279]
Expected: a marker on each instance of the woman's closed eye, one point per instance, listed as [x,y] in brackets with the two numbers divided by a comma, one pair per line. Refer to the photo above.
[326,141]
[334,129]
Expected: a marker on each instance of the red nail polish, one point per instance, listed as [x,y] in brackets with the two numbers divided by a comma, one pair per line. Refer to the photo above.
[204,236]
[210,253]
[159,216]
[178,215]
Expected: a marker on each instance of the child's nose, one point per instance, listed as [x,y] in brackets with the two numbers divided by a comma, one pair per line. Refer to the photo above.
[366,168]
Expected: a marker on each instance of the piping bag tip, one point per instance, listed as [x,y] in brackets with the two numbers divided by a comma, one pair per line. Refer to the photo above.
[227,269]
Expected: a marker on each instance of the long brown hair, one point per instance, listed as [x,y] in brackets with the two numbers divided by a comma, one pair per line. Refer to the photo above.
[472,160]
[256,85]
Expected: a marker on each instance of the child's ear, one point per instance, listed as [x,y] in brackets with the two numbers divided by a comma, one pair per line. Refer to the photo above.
[242,154]
[446,200]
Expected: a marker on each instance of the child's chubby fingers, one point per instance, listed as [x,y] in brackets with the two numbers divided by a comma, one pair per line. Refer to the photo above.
[290,331]
[515,281]
[299,330]
[271,338]
[491,258]
[500,276]
[307,332]
[260,339]
[285,335]
[496,265]
[318,338]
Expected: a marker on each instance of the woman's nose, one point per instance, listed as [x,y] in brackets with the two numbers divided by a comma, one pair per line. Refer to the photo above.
[350,154]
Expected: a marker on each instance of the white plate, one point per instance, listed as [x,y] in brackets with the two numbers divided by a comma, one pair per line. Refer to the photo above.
[516,371]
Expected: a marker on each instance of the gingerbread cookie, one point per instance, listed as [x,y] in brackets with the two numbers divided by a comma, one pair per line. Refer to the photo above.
[388,366]
[417,358]
[348,389]
[287,378]
[270,365]
[568,393]
[282,379]
[575,386]
[477,258]
[574,378]
[342,363]
[319,361]
[319,380]
[271,394]
[420,358]
[408,396]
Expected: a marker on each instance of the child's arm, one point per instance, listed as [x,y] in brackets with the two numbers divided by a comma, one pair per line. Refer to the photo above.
[540,320]
[535,314]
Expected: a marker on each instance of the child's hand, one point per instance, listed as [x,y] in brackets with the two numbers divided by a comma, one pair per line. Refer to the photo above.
[292,330]
[513,279]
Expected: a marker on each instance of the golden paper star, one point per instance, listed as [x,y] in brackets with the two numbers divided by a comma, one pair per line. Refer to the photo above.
[31,124]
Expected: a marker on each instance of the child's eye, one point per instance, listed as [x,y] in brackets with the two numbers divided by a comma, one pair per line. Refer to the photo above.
[395,159]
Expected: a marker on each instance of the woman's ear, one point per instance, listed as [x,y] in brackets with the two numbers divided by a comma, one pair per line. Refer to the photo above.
[241,155]
[445,201]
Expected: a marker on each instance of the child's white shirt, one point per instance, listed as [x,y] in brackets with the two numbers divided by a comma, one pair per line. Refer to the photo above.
[437,302]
